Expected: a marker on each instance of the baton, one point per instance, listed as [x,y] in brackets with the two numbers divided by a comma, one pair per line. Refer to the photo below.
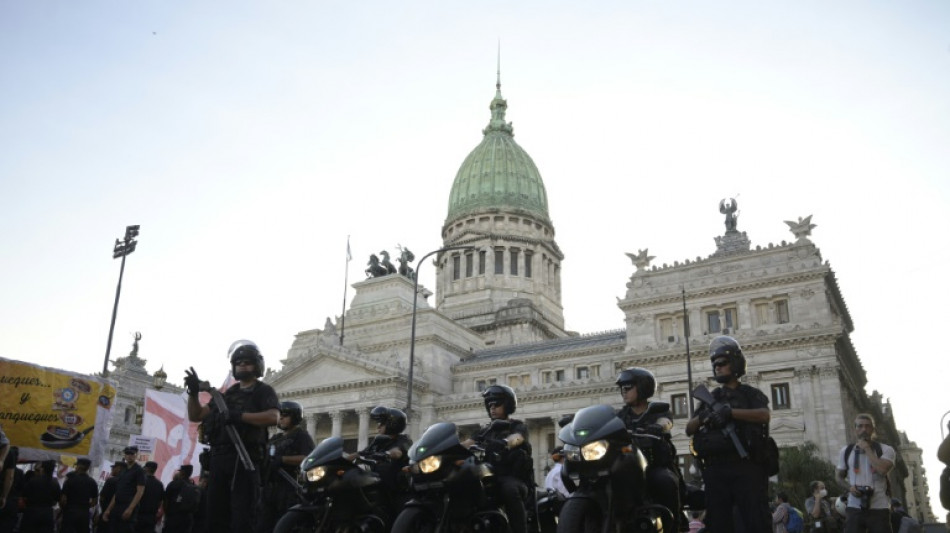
[218,400]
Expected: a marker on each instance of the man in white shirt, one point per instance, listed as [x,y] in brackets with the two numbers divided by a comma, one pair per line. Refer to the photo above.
[553,480]
[862,468]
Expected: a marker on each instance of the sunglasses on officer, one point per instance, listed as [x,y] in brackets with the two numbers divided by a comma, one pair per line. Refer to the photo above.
[721,363]
[626,387]
[495,403]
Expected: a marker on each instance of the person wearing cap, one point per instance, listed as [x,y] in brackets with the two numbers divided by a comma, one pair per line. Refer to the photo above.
[151,504]
[129,489]
[181,501]
[252,406]
[106,495]
[40,493]
[80,493]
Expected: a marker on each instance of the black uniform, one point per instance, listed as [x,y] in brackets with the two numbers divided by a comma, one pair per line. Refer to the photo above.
[179,511]
[125,488]
[512,467]
[663,477]
[390,471]
[278,494]
[105,497]
[149,505]
[233,492]
[79,491]
[733,482]
[40,493]
[8,514]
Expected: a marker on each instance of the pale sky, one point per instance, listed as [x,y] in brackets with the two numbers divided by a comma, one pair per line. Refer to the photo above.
[248,139]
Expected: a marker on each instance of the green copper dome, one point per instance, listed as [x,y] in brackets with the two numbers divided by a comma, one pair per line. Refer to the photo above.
[498,174]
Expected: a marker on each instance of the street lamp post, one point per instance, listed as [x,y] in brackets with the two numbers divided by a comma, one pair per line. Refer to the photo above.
[412,338]
[122,248]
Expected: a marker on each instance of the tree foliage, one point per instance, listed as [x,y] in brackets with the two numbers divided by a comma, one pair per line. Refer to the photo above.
[798,467]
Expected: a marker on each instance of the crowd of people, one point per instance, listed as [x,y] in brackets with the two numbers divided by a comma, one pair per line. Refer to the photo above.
[248,478]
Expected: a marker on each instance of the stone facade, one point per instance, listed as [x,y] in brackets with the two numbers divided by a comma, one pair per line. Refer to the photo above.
[497,318]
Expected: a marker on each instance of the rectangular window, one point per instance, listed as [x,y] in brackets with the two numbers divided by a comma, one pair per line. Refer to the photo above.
[499,261]
[780,396]
[730,318]
[712,321]
[525,380]
[482,384]
[527,264]
[514,381]
[762,313]
[582,372]
[558,375]
[469,265]
[666,328]
[595,371]
[456,267]
[679,406]
[546,376]
[481,262]
[514,262]
[781,311]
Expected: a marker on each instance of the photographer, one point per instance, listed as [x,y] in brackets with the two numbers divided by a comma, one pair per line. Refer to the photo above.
[862,468]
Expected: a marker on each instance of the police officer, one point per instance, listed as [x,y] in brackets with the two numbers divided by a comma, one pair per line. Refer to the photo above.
[285,451]
[129,489]
[10,485]
[106,495]
[509,452]
[80,493]
[641,416]
[390,449]
[40,493]
[181,501]
[731,481]
[233,490]
[151,500]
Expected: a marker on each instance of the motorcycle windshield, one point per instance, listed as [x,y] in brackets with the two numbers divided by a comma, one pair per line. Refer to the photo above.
[437,439]
[329,450]
[591,424]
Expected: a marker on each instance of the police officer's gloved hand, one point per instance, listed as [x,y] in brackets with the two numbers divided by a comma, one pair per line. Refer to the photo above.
[653,429]
[721,416]
[234,417]
[192,382]
[496,445]
[380,456]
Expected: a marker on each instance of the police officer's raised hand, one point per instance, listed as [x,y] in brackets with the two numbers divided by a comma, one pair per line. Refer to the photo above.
[192,381]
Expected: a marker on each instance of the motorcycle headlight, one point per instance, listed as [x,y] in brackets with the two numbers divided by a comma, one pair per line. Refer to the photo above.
[594,450]
[316,474]
[430,464]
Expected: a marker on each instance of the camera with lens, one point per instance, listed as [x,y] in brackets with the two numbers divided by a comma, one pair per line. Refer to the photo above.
[864,495]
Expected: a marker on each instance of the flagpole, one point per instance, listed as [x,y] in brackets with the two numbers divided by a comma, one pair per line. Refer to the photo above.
[346,284]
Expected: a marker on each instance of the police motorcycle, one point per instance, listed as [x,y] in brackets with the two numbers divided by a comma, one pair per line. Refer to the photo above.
[604,460]
[340,495]
[451,487]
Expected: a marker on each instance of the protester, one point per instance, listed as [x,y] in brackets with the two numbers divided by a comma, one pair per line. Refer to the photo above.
[554,481]
[819,514]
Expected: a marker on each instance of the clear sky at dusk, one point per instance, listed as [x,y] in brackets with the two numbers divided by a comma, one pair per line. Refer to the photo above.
[248,139]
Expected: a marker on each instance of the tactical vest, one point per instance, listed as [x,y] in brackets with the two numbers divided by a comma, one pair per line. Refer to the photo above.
[515,462]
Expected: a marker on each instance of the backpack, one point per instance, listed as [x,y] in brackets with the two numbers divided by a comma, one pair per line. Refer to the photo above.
[188,498]
[909,525]
[795,522]
[876,446]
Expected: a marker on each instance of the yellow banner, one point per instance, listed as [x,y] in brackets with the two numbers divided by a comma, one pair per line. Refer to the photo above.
[53,410]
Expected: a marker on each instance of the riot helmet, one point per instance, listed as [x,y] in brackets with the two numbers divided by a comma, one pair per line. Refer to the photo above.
[501,393]
[245,349]
[293,410]
[393,419]
[641,378]
[726,346]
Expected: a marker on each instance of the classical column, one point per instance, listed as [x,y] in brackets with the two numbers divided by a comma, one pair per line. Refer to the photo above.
[314,423]
[363,434]
[336,427]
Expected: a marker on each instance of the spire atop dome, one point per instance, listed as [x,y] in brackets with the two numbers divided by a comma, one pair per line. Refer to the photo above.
[498,106]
